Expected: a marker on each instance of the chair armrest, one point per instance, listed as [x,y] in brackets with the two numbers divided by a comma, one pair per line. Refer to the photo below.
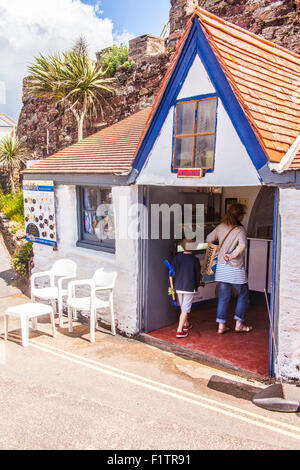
[84,282]
[104,288]
[62,279]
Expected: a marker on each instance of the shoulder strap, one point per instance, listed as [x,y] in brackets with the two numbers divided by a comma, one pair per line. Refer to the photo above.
[226,237]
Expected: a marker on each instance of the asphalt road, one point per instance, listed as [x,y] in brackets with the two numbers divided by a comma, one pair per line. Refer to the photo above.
[66,393]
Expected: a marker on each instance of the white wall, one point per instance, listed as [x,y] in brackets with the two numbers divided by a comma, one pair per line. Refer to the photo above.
[289,293]
[233,166]
[124,261]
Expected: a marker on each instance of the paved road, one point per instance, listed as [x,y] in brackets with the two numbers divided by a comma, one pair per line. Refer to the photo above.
[67,393]
[123,394]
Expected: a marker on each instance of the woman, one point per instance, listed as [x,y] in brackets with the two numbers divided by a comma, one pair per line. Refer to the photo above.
[231,268]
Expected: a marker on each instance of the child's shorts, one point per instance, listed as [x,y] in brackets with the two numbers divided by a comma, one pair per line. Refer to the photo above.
[186,302]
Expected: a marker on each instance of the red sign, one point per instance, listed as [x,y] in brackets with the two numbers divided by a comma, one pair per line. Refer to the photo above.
[190,173]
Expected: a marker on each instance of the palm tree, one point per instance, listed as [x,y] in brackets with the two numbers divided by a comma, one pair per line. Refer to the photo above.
[13,155]
[71,79]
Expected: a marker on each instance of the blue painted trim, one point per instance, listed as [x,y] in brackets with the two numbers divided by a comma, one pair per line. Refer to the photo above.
[197,43]
[274,283]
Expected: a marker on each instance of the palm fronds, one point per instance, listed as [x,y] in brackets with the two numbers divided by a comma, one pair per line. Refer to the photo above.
[72,79]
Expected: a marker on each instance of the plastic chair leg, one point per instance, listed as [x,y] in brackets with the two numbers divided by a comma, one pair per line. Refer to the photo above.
[53,324]
[25,332]
[60,313]
[92,326]
[70,313]
[112,315]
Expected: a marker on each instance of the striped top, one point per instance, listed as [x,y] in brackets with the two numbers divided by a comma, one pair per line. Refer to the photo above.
[230,274]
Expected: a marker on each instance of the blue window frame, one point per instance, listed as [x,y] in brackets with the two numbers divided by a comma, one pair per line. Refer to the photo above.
[195,133]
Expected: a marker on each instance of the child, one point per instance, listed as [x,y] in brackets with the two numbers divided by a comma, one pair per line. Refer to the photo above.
[187,280]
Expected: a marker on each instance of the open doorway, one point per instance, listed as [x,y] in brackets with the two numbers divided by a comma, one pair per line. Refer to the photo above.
[247,351]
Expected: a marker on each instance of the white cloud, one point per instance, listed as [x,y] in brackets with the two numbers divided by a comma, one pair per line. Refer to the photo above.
[28,27]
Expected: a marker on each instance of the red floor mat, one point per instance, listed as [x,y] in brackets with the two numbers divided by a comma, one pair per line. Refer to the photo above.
[247,351]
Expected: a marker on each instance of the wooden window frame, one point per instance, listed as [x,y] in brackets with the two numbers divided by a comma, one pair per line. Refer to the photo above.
[195,134]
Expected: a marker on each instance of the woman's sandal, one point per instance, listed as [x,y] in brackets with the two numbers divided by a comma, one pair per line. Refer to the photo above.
[244,329]
[223,331]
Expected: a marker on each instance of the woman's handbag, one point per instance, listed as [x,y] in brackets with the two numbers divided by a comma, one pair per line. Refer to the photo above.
[211,256]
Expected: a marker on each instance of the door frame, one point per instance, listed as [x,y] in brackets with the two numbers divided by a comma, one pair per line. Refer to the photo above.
[274,305]
[143,196]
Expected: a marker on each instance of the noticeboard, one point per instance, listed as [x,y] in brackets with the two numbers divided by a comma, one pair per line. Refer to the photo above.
[39,212]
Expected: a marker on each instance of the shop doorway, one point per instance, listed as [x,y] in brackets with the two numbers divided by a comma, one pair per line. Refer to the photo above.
[247,352]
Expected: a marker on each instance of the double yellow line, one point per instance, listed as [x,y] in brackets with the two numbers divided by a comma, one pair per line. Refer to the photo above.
[249,417]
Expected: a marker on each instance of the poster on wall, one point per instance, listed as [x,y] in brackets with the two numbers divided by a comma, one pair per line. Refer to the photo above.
[39,212]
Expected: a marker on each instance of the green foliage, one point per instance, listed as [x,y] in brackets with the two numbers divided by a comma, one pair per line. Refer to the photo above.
[20,261]
[13,154]
[13,206]
[116,56]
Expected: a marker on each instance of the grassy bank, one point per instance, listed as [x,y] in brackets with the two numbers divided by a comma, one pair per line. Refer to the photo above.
[13,206]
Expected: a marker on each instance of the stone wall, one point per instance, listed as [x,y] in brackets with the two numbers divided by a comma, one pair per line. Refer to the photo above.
[289,294]
[46,129]
[275,20]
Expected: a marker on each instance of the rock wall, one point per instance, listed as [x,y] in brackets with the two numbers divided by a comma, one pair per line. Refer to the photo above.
[275,20]
[289,294]
[46,129]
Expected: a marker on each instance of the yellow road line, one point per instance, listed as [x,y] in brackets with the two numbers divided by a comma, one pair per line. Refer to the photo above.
[179,394]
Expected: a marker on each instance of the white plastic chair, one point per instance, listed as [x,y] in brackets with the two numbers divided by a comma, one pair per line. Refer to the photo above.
[102,281]
[65,270]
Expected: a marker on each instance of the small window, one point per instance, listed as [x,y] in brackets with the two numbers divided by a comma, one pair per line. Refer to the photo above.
[195,130]
[96,219]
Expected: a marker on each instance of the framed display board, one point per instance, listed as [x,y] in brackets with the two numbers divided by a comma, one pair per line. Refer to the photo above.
[39,212]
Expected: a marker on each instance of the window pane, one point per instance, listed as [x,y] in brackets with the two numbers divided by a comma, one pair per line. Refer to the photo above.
[89,219]
[105,226]
[206,121]
[90,198]
[204,151]
[184,152]
[185,118]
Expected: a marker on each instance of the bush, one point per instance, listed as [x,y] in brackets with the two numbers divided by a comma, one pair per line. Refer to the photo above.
[13,206]
[20,261]
[116,56]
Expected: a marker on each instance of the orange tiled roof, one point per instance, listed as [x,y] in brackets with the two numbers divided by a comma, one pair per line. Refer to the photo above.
[265,78]
[109,151]
[295,165]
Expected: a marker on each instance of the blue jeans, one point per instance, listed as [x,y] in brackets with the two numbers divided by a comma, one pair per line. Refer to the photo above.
[225,291]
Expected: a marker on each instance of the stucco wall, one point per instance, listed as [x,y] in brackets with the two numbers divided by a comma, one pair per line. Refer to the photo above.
[289,301]
[124,261]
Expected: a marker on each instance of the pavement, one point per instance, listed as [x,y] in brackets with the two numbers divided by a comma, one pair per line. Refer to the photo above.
[119,393]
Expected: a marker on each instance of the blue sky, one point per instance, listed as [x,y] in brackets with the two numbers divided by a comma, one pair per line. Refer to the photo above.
[31,27]
[136,16]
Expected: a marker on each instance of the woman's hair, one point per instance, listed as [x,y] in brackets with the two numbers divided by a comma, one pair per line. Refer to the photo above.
[233,214]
